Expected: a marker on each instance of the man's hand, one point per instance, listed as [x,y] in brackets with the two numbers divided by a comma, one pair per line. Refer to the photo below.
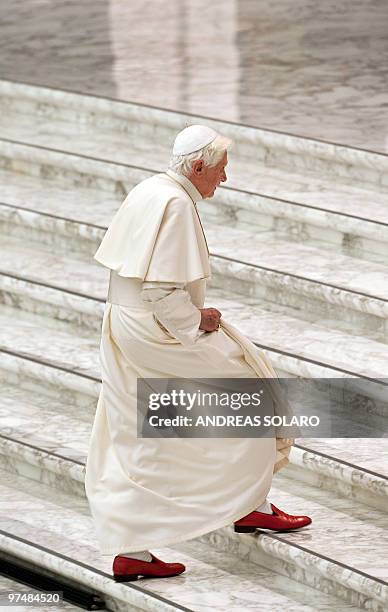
[210,319]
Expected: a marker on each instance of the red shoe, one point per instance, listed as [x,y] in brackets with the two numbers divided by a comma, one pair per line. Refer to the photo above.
[278,521]
[125,569]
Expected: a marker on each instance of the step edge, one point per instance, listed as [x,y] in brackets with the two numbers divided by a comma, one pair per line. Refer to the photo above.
[306,561]
[104,167]
[350,578]
[79,572]
[328,465]
[300,361]
[177,119]
[363,301]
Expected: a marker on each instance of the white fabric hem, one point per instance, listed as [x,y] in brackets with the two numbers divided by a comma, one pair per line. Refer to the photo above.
[170,541]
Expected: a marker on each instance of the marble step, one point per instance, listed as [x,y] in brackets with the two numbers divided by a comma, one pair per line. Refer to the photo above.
[77,299]
[54,531]
[317,285]
[31,313]
[345,470]
[339,527]
[50,531]
[105,124]
[342,220]
[298,347]
[313,557]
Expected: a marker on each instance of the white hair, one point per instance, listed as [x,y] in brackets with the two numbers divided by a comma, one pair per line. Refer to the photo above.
[210,155]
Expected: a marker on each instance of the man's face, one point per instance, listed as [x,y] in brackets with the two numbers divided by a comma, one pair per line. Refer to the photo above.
[207,178]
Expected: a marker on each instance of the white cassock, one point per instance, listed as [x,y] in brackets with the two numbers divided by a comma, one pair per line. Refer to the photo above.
[147,493]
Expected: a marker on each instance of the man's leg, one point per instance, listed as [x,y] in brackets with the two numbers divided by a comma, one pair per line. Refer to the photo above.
[143,555]
[265,507]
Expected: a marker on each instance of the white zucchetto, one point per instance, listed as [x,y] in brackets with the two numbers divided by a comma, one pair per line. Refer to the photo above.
[192,139]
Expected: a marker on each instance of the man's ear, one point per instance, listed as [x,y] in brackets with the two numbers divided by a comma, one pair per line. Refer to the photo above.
[197,166]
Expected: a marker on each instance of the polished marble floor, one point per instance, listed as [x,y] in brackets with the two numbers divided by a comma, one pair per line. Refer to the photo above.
[308,68]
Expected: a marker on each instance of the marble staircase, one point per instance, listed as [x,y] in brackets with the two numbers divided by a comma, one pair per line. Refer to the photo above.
[347,214]
[136,121]
[52,528]
[53,457]
[298,263]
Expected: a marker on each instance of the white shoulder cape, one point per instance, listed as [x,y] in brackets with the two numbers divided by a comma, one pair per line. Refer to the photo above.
[156,235]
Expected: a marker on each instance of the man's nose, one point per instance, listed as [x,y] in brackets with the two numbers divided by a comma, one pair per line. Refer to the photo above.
[223,177]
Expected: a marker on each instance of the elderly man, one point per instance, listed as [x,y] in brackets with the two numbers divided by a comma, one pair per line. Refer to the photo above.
[153,492]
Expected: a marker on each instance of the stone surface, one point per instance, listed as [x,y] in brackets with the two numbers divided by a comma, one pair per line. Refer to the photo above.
[311,298]
[62,524]
[61,345]
[315,71]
